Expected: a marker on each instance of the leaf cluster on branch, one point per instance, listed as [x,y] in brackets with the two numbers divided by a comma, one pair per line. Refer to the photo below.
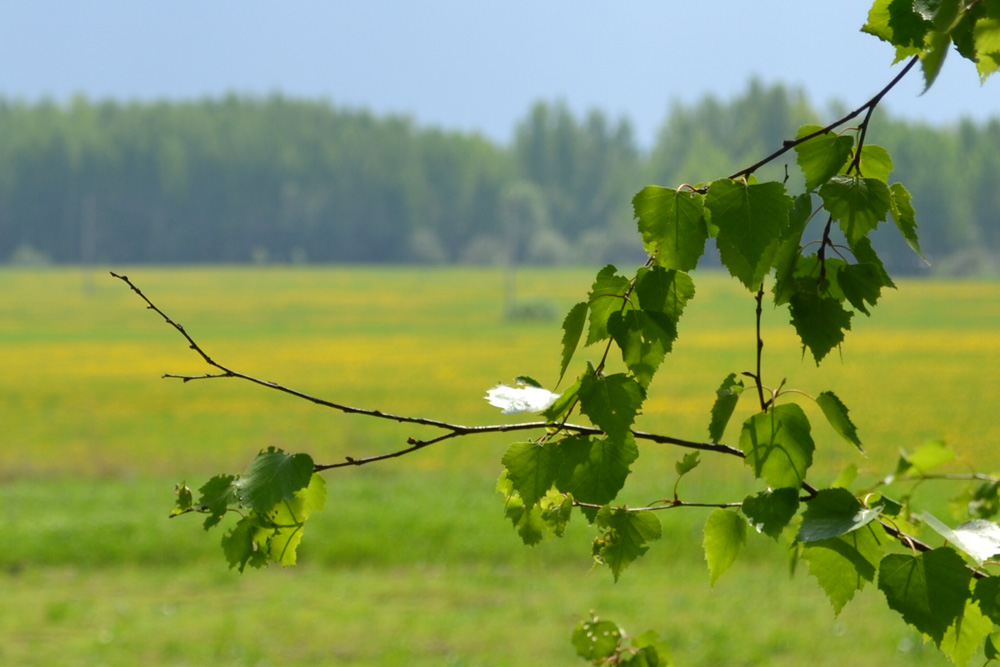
[847,538]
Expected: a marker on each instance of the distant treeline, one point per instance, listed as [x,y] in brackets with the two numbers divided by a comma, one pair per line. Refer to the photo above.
[280,180]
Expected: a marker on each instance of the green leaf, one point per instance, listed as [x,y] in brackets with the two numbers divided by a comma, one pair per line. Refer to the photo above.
[654,652]
[217,494]
[672,227]
[245,543]
[687,464]
[289,519]
[834,512]
[860,283]
[561,406]
[662,291]
[626,537]
[904,216]
[185,500]
[726,398]
[978,538]
[941,13]
[572,331]
[594,469]
[770,511]
[556,511]
[606,297]
[725,535]
[846,477]
[963,638]
[987,595]
[532,469]
[595,639]
[844,563]
[272,477]
[936,45]
[822,156]
[857,203]
[929,591]
[778,445]
[928,456]
[819,321]
[875,162]
[751,219]
[866,255]
[836,414]
[986,37]
[527,522]
[611,402]
[790,249]
[894,21]
[644,339]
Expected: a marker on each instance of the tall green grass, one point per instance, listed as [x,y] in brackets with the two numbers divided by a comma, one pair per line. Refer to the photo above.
[411,561]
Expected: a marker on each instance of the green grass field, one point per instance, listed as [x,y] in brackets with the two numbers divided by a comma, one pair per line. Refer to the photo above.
[411,561]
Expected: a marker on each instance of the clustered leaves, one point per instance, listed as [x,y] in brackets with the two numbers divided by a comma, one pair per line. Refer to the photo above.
[825,273]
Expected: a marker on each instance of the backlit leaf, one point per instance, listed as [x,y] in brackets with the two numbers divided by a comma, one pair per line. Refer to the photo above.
[978,538]
[790,249]
[672,227]
[929,590]
[936,45]
[986,37]
[725,535]
[904,216]
[662,291]
[688,463]
[606,297]
[844,563]
[594,470]
[289,519]
[834,512]
[875,162]
[532,468]
[217,494]
[822,156]
[611,402]
[778,445]
[626,537]
[770,511]
[726,398]
[860,284]
[572,331]
[819,321]
[244,544]
[928,456]
[595,639]
[857,203]
[836,414]
[273,476]
[751,218]
[987,595]
[896,22]
[963,638]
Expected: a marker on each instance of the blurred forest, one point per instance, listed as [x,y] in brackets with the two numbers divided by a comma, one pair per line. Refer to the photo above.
[240,180]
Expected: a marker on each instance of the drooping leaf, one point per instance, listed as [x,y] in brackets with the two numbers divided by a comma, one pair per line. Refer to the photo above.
[532,468]
[964,636]
[606,297]
[770,511]
[751,218]
[572,331]
[837,414]
[527,521]
[865,254]
[273,476]
[644,338]
[244,544]
[819,321]
[834,512]
[986,37]
[289,518]
[726,398]
[515,400]
[626,536]
[672,227]
[725,535]
[978,538]
[662,291]
[217,494]
[904,216]
[936,45]
[596,639]
[790,249]
[857,203]
[843,564]
[778,445]
[611,402]
[653,652]
[860,283]
[561,406]
[556,510]
[929,590]
[991,649]
[822,156]
[987,595]
[594,470]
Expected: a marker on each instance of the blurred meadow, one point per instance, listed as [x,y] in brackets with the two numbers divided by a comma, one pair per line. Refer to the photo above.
[411,562]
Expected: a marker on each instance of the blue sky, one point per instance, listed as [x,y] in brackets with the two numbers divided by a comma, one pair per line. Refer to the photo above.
[466,65]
